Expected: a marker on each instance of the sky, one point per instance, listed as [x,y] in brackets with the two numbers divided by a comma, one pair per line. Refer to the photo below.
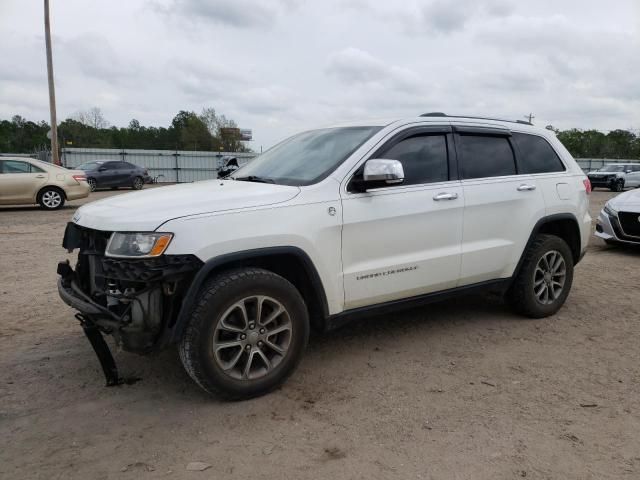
[281,66]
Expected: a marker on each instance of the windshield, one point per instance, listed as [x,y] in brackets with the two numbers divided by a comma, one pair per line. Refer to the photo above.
[612,168]
[308,157]
[89,166]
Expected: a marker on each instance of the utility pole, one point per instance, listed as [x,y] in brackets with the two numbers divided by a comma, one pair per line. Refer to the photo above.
[530,117]
[52,93]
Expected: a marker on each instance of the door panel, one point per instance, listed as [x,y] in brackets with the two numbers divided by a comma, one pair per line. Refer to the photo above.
[399,242]
[633,178]
[499,215]
[107,177]
[501,207]
[123,174]
[18,184]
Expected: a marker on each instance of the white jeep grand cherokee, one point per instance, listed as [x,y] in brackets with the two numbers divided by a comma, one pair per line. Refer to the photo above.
[326,226]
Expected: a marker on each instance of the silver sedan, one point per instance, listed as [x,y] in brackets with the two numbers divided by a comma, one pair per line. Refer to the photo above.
[619,220]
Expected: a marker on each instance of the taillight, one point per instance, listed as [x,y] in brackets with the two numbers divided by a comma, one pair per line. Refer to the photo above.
[79,178]
[587,185]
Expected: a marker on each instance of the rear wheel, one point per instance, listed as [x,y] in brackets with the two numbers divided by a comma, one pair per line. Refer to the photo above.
[544,280]
[138,183]
[246,335]
[51,198]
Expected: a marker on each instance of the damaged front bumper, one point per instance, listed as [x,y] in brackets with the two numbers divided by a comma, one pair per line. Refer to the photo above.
[134,300]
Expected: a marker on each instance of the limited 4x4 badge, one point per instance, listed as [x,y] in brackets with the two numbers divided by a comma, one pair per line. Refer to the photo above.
[387,272]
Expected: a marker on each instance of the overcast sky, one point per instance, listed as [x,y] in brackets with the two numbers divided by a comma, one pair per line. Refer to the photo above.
[279,66]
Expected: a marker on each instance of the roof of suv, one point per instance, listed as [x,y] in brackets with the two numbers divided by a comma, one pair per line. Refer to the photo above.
[438,117]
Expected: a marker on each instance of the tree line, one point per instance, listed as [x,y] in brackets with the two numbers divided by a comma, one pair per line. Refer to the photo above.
[207,131]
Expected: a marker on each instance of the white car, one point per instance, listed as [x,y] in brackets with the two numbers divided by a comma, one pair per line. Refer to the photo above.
[328,225]
[619,220]
[616,176]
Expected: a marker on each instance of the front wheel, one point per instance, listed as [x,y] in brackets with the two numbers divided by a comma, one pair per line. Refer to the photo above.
[246,335]
[138,183]
[92,184]
[618,186]
[544,280]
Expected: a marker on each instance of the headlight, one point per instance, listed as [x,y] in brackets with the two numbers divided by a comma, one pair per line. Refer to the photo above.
[137,245]
[609,210]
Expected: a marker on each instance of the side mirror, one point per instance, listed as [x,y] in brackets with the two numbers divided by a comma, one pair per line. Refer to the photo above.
[628,171]
[383,170]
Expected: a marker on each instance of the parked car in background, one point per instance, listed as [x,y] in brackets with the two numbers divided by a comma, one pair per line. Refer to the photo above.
[616,176]
[115,174]
[619,220]
[28,181]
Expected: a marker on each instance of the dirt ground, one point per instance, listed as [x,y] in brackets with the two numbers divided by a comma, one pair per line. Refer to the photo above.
[459,390]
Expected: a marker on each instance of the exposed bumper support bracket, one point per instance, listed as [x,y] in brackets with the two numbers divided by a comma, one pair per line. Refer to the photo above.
[101,348]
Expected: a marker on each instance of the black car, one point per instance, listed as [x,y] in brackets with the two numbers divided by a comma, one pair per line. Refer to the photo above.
[102,174]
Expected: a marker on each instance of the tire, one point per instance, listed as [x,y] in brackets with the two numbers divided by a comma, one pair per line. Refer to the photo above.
[51,198]
[522,295]
[618,186]
[92,184]
[217,321]
[138,183]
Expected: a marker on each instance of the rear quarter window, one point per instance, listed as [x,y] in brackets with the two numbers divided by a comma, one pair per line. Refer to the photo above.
[536,155]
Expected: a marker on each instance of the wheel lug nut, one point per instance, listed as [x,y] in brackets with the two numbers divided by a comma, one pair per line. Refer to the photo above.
[260,343]
[243,336]
[252,326]
[262,330]
[248,347]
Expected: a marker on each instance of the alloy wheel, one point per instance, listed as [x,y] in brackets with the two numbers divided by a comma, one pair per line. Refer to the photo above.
[92,184]
[549,277]
[51,199]
[252,337]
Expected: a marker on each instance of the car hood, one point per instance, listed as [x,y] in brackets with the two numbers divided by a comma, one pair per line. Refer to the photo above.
[627,200]
[148,209]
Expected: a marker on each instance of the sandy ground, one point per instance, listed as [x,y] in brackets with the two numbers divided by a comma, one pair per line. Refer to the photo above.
[459,390]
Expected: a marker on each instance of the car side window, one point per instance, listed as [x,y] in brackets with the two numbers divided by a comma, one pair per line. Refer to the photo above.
[535,155]
[423,157]
[482,156]
[13,166]
[635,168]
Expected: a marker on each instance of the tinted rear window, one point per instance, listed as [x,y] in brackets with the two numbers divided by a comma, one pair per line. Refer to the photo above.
[535,155]
[485,156]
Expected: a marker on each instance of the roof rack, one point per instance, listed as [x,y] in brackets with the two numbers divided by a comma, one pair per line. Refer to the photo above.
[440,114]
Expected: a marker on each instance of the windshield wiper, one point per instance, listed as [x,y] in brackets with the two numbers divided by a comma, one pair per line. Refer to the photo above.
[255,178]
